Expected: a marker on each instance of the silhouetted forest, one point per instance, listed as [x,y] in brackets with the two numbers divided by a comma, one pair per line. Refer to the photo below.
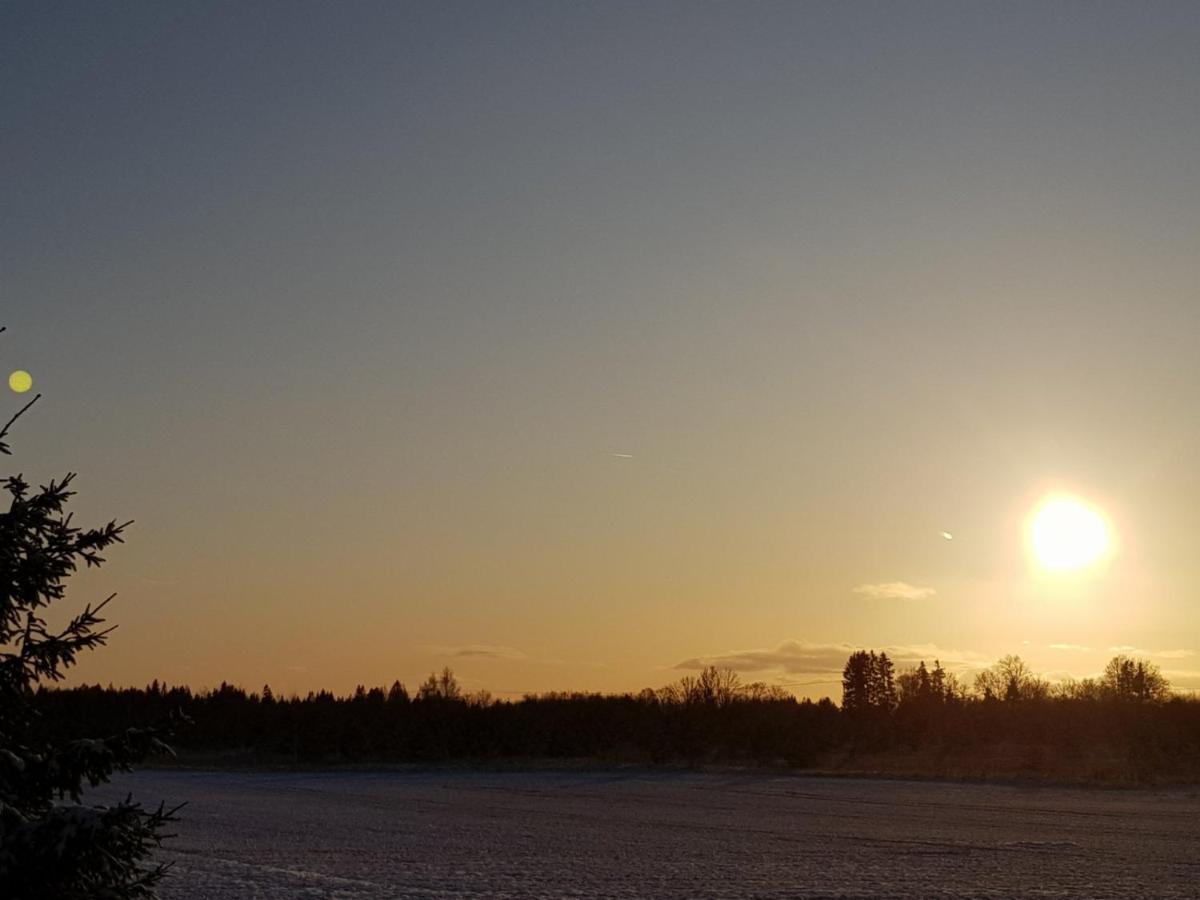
[1125,726]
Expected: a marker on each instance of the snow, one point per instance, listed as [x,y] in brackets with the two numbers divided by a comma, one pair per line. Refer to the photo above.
[617,834]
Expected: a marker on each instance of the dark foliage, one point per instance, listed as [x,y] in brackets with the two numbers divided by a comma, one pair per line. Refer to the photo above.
[707,718]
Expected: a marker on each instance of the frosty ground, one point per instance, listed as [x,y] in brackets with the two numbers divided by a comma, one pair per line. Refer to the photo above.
[475,834]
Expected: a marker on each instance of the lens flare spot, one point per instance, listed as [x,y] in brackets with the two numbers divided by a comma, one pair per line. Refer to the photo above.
[20,381]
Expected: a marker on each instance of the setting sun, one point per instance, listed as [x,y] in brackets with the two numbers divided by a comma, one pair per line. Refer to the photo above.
[1067,534]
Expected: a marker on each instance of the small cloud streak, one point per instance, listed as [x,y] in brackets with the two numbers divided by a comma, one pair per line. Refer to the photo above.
[894,590]
[1183,679]
[801,658]
[801,663]
[479,651]
[1161,654]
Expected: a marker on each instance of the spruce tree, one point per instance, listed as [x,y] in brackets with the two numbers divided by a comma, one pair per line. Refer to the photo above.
[856,682]
[53,846]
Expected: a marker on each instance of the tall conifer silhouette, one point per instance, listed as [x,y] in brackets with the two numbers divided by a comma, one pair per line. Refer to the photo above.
[52,845]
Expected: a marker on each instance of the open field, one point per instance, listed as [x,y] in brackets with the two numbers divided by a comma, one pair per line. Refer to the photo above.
[645,834]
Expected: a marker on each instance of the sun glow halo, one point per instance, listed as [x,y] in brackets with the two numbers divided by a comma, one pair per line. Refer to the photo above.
[1067,534]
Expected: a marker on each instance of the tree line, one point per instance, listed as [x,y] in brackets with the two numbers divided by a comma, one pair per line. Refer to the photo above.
[869,682]
[1127,718]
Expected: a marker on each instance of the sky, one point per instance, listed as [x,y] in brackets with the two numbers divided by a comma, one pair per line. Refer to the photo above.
[578,345]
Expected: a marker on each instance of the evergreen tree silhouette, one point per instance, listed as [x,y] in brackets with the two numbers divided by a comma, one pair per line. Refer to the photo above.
[51,849]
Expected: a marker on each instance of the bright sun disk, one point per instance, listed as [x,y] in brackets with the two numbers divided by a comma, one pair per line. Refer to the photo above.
[1067,534]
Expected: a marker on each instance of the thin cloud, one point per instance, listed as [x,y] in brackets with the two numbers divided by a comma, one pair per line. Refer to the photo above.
[801,663]
[1161,654]
[809,659]
[479,651]
[1183,679]
[894,590]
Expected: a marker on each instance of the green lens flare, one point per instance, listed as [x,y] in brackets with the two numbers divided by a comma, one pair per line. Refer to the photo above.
[20,381]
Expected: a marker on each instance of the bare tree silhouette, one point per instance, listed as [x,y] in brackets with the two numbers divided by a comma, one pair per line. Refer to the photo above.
[1010,679]
[1134,679]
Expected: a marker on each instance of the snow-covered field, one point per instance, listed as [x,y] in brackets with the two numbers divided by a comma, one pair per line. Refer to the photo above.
[452,834]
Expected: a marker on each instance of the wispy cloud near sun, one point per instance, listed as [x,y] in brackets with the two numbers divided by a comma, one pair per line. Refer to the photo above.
[894,590]
[1161,654]
[802,658]
[479,651]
